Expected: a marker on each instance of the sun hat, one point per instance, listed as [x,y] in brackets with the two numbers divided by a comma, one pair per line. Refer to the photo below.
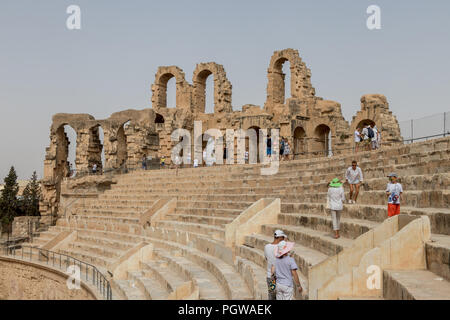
[279,233]
[335,183]
[392,174]
[283,247]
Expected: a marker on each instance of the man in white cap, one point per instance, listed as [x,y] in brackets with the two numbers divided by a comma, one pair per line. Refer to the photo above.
[269,254]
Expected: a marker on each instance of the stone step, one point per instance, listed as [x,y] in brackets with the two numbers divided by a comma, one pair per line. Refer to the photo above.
[383,157]
[88,257]
[114,224]
[209,220]
[255,277]
[414,285]
[314,239]
[151,289]
[157,270]
[96,250]
[257,257]
[213,232]
[439,217]
[107,213]
[105,242]
[438,255]
[221,204]
[375,177]
[349,228]
[209,211]
[304,257]
[231,281]
[129,290]
[209,286]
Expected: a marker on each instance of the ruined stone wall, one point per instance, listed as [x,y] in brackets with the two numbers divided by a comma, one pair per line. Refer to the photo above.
[27,281]
[24,226]
[303,119]
[375,108]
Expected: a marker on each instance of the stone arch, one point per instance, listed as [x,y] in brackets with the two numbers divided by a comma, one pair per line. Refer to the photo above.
[122,145]
[321,142]
[364,123]
[247,145]
[300,85]
[159,88]
[300,142]
[62,166]
[95,148]
[375,108]
[222,88]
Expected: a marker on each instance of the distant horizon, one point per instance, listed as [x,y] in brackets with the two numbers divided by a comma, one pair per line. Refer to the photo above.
[109,65]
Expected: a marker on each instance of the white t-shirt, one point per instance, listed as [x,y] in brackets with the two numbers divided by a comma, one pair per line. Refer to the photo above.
[394,190]
[269,253]
[336,198]
[195,163]
[365,132]
[354,176]
[375,131]
[357,138]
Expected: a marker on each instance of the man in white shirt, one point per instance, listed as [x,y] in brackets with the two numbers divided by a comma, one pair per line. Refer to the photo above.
[357,136]
[354,177]
[366,140]
[269,254]
[375,137]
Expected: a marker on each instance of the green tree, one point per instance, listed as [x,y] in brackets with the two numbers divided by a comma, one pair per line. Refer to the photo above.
[9,204]
[30,197]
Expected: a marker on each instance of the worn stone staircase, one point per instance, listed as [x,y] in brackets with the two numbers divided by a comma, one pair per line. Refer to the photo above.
[189,242]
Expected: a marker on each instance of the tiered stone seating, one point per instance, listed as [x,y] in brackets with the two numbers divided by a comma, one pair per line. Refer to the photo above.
[189,243]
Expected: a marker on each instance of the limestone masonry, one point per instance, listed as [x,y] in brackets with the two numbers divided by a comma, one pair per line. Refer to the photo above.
[200,233]
[311,124]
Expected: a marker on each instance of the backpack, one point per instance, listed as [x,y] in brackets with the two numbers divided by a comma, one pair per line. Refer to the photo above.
[371,134]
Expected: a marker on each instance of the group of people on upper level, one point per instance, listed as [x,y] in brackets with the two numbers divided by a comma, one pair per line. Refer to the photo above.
[367,137]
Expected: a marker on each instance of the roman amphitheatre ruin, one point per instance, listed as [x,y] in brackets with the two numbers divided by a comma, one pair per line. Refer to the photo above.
[199,233]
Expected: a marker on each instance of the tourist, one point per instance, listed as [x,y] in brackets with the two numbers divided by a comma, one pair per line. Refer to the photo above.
[162,161]
[335,200]
[285,272]
[246,156]
[94,169]
[374,139]
[354,178]
[365,138]
[358,138]
[282,145]
[394,191]
[378,138]
[144,162]
[269,254]
[287,150]
[269,146]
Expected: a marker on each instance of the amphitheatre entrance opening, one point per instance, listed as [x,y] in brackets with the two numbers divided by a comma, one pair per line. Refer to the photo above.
[299,142]
[122,152]
[322,140]
[65,152]
[364,123]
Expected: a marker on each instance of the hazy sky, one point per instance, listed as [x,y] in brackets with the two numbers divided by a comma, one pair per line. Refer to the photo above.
[110,64]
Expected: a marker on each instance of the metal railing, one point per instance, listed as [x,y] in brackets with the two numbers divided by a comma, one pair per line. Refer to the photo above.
[433,126]
[88,272]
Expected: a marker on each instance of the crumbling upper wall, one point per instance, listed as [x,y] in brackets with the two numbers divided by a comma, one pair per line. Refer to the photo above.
[159,88]
[375,108]
[301,87]
[222,88]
